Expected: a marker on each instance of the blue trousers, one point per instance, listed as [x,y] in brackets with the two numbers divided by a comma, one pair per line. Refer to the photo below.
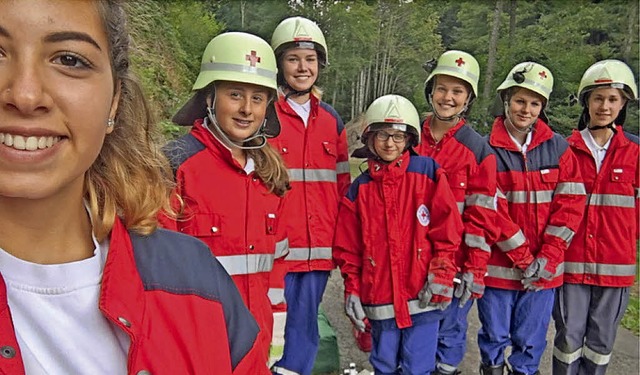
[404,351]
[518,318]
[452,336]
[303,292]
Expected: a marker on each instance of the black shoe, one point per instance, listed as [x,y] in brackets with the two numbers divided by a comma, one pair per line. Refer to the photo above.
[492,370]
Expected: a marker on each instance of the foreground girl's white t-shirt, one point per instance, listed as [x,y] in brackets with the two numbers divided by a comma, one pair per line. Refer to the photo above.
[55,313]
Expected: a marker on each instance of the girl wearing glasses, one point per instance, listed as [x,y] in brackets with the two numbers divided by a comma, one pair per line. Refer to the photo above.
[397,232]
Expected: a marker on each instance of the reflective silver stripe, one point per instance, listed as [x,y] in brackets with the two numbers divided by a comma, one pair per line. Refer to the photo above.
[612,200]
[567,358]
[246,264]
[542,196]
[282,248]
[570,188]
[561,232]
[313,175]
[282,371]
[276,295]
[382,312]
[460,207]
[481,200]
[514,273]
[447,368]
[464,72]
[514,242]
[343,167]
[303,253]
[213,66]
[545,89]
[473,240]
[597,358]
[601,269]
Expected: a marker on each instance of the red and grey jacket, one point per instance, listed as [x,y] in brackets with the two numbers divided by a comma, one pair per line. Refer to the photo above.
[318,163]
[170,295]
[233,213]
[603,252]
[393,221]
[471,171]
[545,197]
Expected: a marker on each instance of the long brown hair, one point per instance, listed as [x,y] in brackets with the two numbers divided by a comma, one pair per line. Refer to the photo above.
[130,178]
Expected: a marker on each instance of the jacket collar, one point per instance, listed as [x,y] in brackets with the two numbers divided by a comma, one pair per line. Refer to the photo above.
[283,106]
[617,140]
[203,134]
[500,138]
[380,170]
[122,293]
[428,137]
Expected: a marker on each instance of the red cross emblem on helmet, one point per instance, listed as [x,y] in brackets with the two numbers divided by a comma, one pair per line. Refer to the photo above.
[543,74]
[253,58]
[460,61]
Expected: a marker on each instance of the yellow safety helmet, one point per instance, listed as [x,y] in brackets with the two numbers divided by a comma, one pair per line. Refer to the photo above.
[392,111]
[235,57]
[458,64]
[299,32]
[529,75]
[609,73]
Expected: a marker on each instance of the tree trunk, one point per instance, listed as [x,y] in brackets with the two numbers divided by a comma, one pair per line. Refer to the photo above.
[512,22]
[243,4]
[493,49]
[631,23]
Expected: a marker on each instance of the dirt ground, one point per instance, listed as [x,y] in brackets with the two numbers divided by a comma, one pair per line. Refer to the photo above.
[625,359]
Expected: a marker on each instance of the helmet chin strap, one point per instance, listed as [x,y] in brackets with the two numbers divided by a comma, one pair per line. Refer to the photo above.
[509,123]
[456,117]
[241,145]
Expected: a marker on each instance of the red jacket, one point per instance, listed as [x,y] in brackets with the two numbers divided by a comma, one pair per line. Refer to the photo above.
[546,198]
[471,172]
[318,163]
[173,299]
[234,214]
[394,219]
[603,252]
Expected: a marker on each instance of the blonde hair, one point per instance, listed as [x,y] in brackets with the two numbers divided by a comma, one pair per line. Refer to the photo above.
[270,168]
[130,178]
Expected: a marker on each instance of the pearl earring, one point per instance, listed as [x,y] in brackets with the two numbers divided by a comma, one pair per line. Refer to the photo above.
[110,123]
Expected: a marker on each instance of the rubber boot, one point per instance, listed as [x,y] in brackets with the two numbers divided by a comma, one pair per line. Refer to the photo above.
[442,372]
[492,370]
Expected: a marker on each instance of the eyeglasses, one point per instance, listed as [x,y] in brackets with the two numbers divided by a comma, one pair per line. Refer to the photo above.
[397,137]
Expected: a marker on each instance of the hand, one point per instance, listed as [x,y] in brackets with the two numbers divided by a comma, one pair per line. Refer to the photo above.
[436,293]
[536,274]
[469,287]
[355,312]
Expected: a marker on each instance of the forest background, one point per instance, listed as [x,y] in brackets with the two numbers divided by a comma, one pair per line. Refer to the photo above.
[377,47]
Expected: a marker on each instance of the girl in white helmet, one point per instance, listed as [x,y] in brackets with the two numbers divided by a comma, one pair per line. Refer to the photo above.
[313,145]
[397,233]
[600,264]
[450,89]
[544,194]
[230,182]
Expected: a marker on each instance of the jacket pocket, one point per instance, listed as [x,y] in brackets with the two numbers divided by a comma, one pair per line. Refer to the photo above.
[330,149]
[271,222]
[549,175]
[203,225]
[622,174]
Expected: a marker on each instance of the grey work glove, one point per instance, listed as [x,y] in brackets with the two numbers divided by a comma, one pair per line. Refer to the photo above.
[536,275]
[469,287]
[355,312]
[435,293]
